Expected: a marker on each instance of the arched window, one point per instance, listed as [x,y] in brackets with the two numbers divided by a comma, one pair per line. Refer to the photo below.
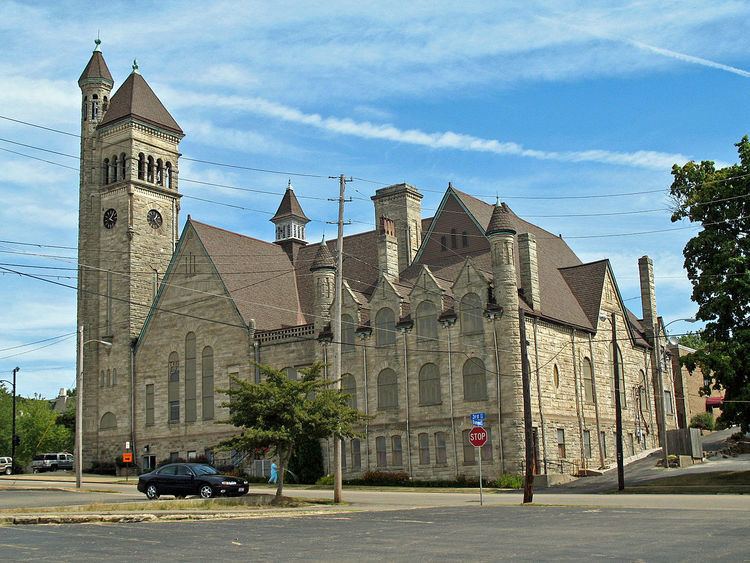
[105,171]
[109,377]
[150,169]
[443,244]
[454,239]
[382,458]
[159,172]
[108,421]
[424,448]
[464,239]
[102,379]
[114,168]
[427,323]
[105,104]
[94,107]
[556,376]
[588,381]
[141,166]
[84,108]
[168,167]
[190,383]
[429,385]
[347,333]
[614,349]
[471,314]
[387,389]
[349,387]
[385,327]
[207,378]
[122,166]
[475,381]
[114,376]
[173,387]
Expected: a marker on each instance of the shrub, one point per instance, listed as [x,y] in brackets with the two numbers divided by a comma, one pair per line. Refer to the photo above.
[102,468]
[306,463]
[509,481]
[703,420]
[325,480]
[165,461]
[385,478]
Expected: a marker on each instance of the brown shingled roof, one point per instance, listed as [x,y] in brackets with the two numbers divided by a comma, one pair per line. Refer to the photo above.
[500,221]
[323,259]
[135,98]
[268,293]
[96,69]
[289,206]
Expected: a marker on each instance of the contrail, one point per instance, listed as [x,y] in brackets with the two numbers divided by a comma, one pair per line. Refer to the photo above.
[688,58]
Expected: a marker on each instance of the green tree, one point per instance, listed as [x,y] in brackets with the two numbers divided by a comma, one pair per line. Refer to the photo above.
[692,340]
[717,261]
[281,413]
[36,425]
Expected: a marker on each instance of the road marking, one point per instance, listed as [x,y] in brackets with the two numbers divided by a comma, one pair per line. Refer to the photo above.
[14,546]
[415,521]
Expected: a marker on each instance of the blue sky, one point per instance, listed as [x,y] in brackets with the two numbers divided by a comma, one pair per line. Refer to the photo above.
[549,100]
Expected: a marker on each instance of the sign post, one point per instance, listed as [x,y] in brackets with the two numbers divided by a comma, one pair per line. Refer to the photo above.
[477,438]
[127,459]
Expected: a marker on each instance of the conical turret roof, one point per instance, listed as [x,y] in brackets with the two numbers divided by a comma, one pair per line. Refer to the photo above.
[323,259]
[501,221]
[289,207]
[96,69]
[135,98]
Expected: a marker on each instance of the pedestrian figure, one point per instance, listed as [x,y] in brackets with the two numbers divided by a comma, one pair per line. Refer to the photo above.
[274,473]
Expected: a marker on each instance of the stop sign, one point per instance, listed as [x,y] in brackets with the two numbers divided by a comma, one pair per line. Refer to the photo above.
[477,436]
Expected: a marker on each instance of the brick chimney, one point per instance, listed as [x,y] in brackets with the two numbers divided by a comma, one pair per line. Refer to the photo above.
[529,269]
[388,255]
[402,204]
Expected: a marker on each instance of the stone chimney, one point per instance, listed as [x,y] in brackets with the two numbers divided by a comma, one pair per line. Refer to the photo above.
[388,255]
[402,204]
[648,293]
[529,269]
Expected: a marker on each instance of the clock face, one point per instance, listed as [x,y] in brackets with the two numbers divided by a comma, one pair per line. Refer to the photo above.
[110,218]
[154,219]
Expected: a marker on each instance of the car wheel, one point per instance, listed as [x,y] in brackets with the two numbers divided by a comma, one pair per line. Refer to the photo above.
[54,468]
[8,471]
[152,493]
[206,491]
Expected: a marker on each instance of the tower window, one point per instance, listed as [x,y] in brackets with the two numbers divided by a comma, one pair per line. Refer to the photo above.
[141,165]
[94,107]
[84,113]
[159,172]
[122,166]
[168,166]
[105,104]
[150,170]
[105,171]
[114,168]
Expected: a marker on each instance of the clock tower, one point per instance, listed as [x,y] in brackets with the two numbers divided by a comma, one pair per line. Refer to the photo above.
[128,222]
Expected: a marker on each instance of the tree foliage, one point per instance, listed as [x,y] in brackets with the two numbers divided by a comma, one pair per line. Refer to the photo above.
[692,340]
[37,426]
[717,261]
[281,413]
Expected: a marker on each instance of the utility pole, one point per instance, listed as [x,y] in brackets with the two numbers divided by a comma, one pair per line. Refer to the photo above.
[337,333]
[14,439]
[660,386]
[528,483]
[618,406]
[78,458]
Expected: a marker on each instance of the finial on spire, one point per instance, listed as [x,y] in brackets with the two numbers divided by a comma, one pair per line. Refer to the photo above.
[97,42]
[497,198]
[135,66]
[289,185]
[450,185]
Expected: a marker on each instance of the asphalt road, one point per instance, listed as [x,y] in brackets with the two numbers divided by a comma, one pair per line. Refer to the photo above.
[453,534]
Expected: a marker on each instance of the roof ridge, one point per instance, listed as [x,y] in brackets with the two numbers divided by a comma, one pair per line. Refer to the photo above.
[271,244]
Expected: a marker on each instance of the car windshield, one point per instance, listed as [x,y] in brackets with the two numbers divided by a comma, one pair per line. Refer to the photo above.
[38,458]
[50,457]
[204,470]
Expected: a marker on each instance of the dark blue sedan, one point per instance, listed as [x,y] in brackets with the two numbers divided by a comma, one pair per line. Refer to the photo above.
[184,479]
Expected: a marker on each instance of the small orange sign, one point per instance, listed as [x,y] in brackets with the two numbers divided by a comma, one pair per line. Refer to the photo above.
[127,457]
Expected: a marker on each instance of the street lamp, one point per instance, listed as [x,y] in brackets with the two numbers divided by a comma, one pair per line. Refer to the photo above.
[14,441]
[660,382]
[618,401]
[79,404]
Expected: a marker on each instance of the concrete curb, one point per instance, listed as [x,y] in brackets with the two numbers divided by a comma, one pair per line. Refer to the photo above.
[18,520]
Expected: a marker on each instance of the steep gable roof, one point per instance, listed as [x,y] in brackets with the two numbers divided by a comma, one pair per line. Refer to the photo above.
[289,206]
[257,274]
[587,283]
[136,99]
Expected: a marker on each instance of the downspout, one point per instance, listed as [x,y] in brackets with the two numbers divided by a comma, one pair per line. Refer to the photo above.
[579,409]
[499,398]
[450,389]
[596,404]
[408,427]
[256,353]
[539,396]
[367,407]
[132,402]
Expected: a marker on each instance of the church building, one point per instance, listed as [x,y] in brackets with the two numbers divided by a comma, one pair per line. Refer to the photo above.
[433,311]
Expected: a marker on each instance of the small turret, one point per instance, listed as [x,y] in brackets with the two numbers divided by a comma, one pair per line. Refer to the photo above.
[502,233]
[96,84]
[290,223]
[324,272]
